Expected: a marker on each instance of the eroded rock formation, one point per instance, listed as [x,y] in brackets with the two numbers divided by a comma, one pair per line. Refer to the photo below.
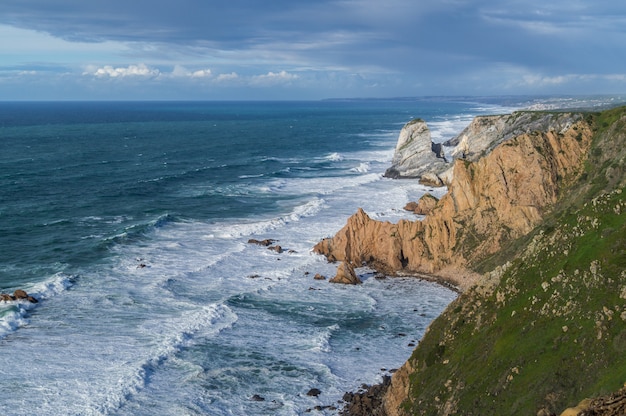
[346,275]
[498,197]
[416,154]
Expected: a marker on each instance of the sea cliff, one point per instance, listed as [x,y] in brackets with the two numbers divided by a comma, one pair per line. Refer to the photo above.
[494,199]
[533,232]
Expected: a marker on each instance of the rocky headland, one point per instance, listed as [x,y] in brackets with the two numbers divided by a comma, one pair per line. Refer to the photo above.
[532,231]
[499,197]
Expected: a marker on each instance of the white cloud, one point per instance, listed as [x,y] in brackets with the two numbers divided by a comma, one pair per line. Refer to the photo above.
[140,70]
[273,78]
[180,71]
[202,73]
[233,76]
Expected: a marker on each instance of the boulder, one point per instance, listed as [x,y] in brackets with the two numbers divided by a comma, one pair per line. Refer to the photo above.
[6,297]
[345,275]
[431,179]
[314,392]
[276,248]
[424,206]
[319,277]
[20,294]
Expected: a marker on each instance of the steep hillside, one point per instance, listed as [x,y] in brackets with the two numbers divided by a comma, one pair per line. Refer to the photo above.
[540,224]
[546,325]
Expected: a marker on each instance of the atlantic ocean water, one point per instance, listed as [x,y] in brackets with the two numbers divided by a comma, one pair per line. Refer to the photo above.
[130,221]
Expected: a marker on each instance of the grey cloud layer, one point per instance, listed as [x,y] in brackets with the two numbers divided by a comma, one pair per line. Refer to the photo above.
[418,40]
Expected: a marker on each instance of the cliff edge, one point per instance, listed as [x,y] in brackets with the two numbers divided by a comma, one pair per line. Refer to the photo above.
[540,224]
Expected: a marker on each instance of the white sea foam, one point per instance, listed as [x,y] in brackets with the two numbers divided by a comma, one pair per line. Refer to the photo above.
[335,157]
[362,168]
[240,229]
[13,313]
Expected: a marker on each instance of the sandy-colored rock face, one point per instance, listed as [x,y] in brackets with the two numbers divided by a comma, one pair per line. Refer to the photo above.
[346,275]
[498,197]
[424,206]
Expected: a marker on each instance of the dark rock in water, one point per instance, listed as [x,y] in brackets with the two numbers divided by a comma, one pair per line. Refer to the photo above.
[314,392]
[319,277]
[392,173]
[368,402]
[257,398]
[266,242]
[20,294]
[276,248]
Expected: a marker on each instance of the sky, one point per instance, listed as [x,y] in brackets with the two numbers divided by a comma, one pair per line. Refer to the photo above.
[309,49]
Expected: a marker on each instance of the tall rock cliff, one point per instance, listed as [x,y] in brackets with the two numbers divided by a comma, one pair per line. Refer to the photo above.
[543,327]
[494,199]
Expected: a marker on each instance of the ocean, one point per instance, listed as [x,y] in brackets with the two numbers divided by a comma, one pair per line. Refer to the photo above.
[130,221]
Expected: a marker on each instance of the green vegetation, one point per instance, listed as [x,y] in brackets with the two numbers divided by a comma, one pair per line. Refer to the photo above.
[547,328]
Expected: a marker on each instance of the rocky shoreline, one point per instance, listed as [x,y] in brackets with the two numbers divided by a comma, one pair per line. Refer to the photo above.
[508,170]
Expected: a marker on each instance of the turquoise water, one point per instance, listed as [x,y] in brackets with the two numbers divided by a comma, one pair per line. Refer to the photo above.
[130,221]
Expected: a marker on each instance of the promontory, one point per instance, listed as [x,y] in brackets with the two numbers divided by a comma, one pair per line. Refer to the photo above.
[532,231]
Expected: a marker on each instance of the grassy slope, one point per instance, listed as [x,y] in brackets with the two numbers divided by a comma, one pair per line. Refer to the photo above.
[551,330]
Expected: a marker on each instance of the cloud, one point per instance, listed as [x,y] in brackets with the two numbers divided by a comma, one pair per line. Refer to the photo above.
[180,71]
[273,78]
[227,78]
[425,47]
[140,70]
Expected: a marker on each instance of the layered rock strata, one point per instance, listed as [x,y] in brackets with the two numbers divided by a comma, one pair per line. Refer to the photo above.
[486,132]
[496,198]
[416,155]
